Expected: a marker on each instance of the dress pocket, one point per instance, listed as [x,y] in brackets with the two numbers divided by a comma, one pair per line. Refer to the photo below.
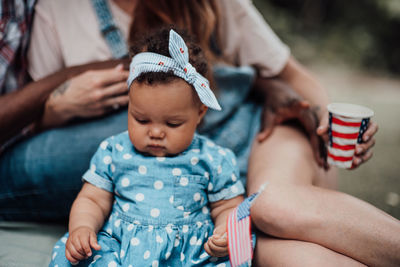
[190,192]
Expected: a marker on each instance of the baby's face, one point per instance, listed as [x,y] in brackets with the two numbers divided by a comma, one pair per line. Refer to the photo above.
[163,118]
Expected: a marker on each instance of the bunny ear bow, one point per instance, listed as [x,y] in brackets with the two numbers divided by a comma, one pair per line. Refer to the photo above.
[179,64]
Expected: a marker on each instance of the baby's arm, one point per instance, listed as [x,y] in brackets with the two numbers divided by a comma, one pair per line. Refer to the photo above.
[91,207]
[217,244]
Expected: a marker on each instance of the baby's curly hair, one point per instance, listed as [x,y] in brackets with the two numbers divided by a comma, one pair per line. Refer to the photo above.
[158,42]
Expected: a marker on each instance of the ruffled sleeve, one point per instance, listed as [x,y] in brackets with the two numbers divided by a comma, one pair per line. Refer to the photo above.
[101,167]
[224,181]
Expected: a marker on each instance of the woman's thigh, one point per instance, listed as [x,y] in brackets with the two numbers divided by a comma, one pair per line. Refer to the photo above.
[286,157]
[272,251]
[288,206]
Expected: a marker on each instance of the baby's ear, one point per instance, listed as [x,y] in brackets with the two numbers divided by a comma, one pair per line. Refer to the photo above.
[202,111]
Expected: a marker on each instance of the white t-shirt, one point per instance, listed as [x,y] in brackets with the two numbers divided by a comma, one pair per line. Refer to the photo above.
[66,33]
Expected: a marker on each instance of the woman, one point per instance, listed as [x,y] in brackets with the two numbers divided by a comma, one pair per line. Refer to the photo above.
[293,207]
[296,216]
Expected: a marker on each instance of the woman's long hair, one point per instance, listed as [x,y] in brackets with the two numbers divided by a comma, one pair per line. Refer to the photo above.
[199,17]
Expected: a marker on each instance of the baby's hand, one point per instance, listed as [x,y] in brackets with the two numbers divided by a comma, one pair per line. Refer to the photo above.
[217,244]
[79,243]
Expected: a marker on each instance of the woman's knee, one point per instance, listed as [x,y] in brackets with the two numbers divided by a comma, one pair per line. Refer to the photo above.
[273,213]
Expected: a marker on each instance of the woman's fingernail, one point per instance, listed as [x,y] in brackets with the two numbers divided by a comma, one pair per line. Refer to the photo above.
[357,161]
[359,150]
[366,137]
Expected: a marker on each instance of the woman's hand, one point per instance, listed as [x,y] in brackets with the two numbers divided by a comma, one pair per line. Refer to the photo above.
[364,150]
[90,94]
[281,104]
[217,244]
[79,244]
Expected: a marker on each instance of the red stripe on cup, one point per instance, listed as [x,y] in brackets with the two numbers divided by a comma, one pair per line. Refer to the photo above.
[344,147]
[345,135]
[338,158]
[345,123]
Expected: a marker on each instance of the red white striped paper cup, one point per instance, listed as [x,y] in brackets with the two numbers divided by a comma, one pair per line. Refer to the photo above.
[347,123]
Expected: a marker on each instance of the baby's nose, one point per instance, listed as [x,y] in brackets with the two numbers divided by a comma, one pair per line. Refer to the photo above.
[156,132]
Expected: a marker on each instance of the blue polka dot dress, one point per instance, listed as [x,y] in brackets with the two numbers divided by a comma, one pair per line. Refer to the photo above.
[160,215]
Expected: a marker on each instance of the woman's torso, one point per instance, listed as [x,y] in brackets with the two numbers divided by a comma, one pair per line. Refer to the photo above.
[67,33]
[70,35]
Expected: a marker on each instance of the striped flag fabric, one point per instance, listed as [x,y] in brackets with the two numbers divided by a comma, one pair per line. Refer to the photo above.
[344,134]
[240,243]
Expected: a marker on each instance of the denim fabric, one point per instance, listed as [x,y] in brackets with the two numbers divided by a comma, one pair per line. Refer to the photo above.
[40,177]
[239,121]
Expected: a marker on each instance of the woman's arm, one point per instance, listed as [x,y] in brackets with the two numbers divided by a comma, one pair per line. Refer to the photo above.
[91,94]
[309,88]
[217,244]
[26,105]
[304,83]
[282,104]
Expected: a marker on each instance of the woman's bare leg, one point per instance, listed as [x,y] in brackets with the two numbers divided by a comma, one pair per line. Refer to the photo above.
[292,207]
[291,253]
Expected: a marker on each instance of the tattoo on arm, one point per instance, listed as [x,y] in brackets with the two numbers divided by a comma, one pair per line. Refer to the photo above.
[60,90]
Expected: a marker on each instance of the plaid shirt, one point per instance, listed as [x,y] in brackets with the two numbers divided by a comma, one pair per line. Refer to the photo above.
[15,25]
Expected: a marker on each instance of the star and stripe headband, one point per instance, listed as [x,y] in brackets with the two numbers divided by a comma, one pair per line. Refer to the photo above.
[179,64]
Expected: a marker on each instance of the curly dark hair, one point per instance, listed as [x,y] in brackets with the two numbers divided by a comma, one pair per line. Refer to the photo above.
[158,42]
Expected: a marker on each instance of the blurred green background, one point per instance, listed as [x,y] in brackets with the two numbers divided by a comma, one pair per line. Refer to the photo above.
[363,34]
[353,49]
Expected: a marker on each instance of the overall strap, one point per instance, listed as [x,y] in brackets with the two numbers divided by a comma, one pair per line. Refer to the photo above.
[109,30]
